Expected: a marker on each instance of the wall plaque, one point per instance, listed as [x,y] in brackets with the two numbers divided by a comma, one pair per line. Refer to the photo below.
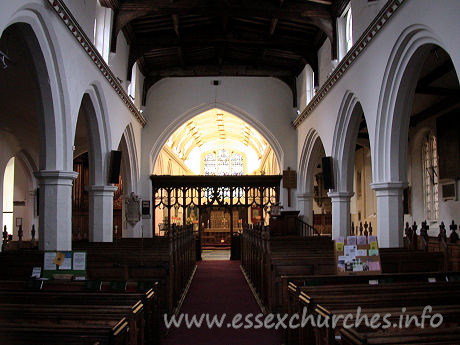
[133,209]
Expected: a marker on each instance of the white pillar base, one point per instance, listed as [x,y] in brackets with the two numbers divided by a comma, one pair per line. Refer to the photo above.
[55,219]
[390,218]
[101,213]
[340,213]
[305,204]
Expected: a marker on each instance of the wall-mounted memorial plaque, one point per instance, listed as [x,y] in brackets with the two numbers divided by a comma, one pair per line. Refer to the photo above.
[133,209]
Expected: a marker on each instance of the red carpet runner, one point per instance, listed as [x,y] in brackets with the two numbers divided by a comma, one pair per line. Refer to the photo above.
[219,287]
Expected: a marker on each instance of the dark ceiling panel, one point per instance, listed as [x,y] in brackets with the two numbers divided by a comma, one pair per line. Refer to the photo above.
[202,37]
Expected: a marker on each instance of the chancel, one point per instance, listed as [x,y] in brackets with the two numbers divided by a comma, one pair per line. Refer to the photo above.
[245,160]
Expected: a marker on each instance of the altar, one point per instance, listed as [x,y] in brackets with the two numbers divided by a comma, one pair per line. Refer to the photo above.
[216,237]
[216,229]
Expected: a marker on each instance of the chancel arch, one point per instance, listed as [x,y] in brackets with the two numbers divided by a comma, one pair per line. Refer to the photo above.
[235,111]
[214,144]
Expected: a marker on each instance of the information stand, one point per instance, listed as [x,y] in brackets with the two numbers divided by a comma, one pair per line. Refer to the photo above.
[64,265]
[357,255]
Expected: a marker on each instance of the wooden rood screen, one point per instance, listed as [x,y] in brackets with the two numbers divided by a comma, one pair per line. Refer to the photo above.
[190,193]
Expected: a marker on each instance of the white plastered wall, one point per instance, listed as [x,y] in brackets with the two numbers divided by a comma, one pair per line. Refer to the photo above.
[265,103]
[365,78]
[72,73]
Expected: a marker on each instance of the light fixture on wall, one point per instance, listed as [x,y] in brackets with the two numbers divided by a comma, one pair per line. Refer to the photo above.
[215,83]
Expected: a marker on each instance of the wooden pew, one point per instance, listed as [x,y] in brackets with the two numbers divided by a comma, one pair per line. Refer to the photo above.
[145,291]
[265,258]
[429,336]
[21,304]
[19,332]
[169,260]
[327,300]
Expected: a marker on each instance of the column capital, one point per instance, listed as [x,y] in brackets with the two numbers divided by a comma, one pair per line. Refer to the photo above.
[385,186]
[55,177]
[340,196]
[304,196]
[102,190]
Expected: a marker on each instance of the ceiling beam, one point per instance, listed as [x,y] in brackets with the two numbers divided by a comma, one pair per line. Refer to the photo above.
[438,91]
[322,2]
[260,57]
[133,9]
[436,109]
[224,70]
[224,24]
[435,74]
[253,8]
[180,53]
[274,21]
[175,19]
[166,41]
[143,45]
[113,4]
[221,55]
[273,25]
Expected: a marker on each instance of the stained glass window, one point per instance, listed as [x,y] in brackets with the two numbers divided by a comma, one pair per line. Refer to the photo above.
[222,162]
[210,164]
[430,177]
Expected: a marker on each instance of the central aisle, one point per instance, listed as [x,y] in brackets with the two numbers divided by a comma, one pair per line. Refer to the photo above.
[219,287]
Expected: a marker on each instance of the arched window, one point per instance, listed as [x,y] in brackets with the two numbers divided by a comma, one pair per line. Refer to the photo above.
[132,85]
[8,193]
[309,84]
[223,162]
[348,29]
[430,177]
[102,30]
[345,31]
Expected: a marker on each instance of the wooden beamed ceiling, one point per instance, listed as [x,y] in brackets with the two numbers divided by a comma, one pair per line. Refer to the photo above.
[177,38]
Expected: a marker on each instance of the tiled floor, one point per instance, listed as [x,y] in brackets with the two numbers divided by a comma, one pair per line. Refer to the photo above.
[215,254]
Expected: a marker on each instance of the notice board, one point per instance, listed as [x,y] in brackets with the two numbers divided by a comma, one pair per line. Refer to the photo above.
[357,255]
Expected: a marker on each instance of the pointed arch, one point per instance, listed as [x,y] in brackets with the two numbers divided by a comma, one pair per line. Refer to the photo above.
[162,139]
[55,132]
[130,165]
[29,165]
[345,137]
[312,149]
[396,101]
[94,110]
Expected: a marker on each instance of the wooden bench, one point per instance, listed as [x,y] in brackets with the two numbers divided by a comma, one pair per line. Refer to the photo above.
[77,305]
[101,291]
[19,332]
[168,260]
[329,300]
[430,336]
